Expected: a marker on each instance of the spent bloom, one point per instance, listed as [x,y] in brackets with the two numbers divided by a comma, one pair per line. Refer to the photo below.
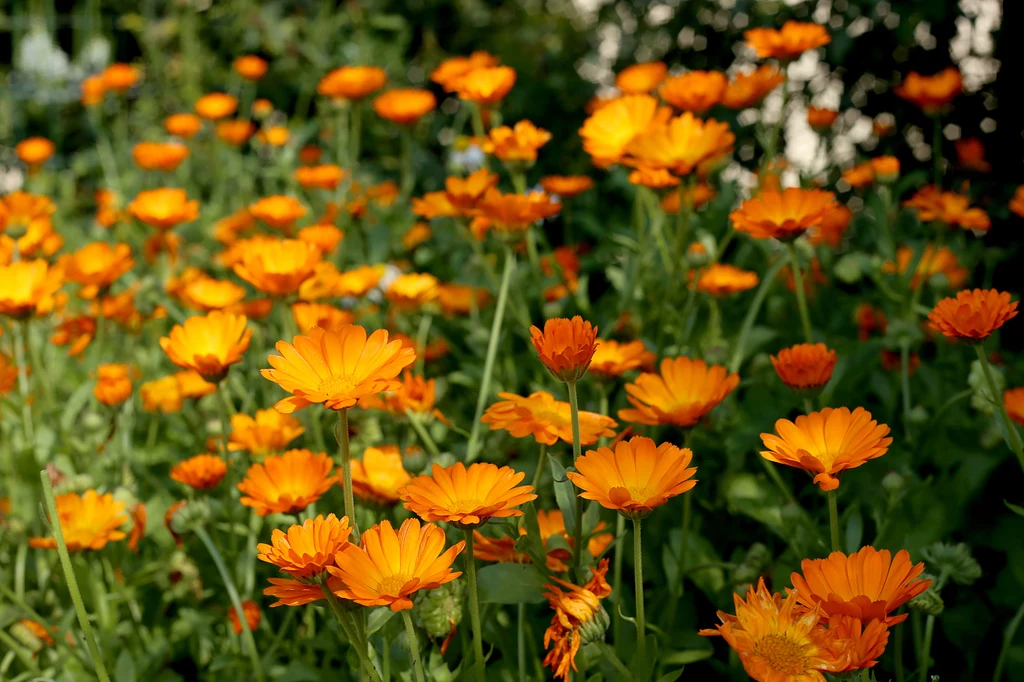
[579,619]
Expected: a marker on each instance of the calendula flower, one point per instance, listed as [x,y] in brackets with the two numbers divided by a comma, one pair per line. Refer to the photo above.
[207,293]
[970,154]
[336,368]
[352,82]
[388,568]
[566,186]
[565,346]
[93,91]
[805,366]
[820,118]
[379,475]
[719,279]
[252,613]
[859,176]
[183,125]
[795,38]
[868,584]
[461,299]
[159,156]
[279,212]
[518,144]
[511,215]
[680,144]
[308,315]
[193,385]
[409,291]
[268,433]
[777,641]
[1017,202]
[288,483]
[608,131]
[613,359]
[748,89]
[579,619]
[28,287]
[278,267]
[655,178]
[863,643]
[120,77]
[250,66]
[34,152]
[164,208]
[972,315]
[832,227]
[113,384]
[8,374]
[640,79]
[414,393]
[694,197]
[484,86]
[416,235]
[216,105]
[931,93]
[405,106]
[933,261]
[235,132]
[826,443]
[635,477]
[87,521]
[326,176]
[695,91]
[358,281]
[467,497]
[782,215]
[96,266]
[201,472]
[161,395]
[546,419]
[1013,401]
[138,514]
[950,208]
[305,550]
[454,68]
[681,394]
[208,344]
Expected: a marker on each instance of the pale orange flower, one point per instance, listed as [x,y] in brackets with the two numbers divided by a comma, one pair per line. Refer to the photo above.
[352,82]
[405,106]
[278,267]
[566,186]
[96,266]
[162,156]
[274,136]
[409,291]
[972,315]
[720,279]
[609,130]
[288,483]
[546,419]
[950,208]
[161,395]
[434,205]
[859,176]
[250,66]
[327,176]
[164,208]
[832,227]
[805,366]
[747,89]
[359,281]
[565,346]
[120,77]
[379,475]
[461,299]
[93,91]
[511,215]
[308,315]
[29,287]
[518,144]
[784,215]
[462,194]
[931,93]
[235,132]
[216,105]
[454,68]
[640,79]
[279,212]
[795,38]
[683,392]
[208,344]
[193,385]
[183,125]
[268,433]
[34,151]
[113,384]
[201,472]
[613,359]
[695,91]
[486,85]
[680,144]
[579,619]
[87,521]
[305,550]
[207,293]
[467,497]
[933,261]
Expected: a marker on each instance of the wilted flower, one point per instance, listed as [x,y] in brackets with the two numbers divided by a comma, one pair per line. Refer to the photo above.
[579,619]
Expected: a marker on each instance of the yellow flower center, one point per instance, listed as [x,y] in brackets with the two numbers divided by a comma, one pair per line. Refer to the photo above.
[782,654]
[639,493]
[392,584]
[464,504]
[337,385]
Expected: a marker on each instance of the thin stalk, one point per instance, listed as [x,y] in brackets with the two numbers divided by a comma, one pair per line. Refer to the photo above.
[23,387]
[638,588]
[620,667]
[898,652]
[349,629]
[520,641]
[422,432]
[26,657]
[414,647]
[801,295]
[408,179]
[341,433]
[474,609]
[1011,435]
[620,531]
[684,541]
[225,417]
[577,532]
[72,581]
[1008,635]
[773,144]
[542,463]
[833,520]
[924,661]
[905,387]
[472,450]
[355,136]
[422,334]
[752,311]
[478,120]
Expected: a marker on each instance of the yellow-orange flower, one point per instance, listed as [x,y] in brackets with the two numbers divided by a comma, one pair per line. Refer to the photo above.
[467,497]
[868,584]
[268,433]
[931,93]
[279,212]
[805,365]
[208,344]
[274,136]
[518,144]
[183,125]
[511,215]
[206,294]
[201,472]
[34,151]
[288,483]
[358,281]
[546,419]
[973,314]
[696,196]
[305,550]
[795,38]
[1013,401]
[216,105]
[352,82]
[487,85]
[161,395]
[113,384]
[950,208]
[681,394]
[162,156]
[28,287]
[193,385]
[235,132]
[679,144]
[461,299]
[933,261]
[640,79]
[462,194]
[579,619]
[613,359]
[821,118]
[719,279]
[416,235]
[695,91]
[250,67]
[164,208]
[379,475]
[565,346]
[388,567]
[1017,202]
[415,393]
[655,178]
[411,290]
[886,168]
[93,90]
[566,186]
[784,215]
[96,266]
[860,175]
[27,211]
[826,443]
[832,227]
[405,106]
[326,176]
[120,77]
[747,89]
[609,130]
[87,521]
[309,315]
[278,267]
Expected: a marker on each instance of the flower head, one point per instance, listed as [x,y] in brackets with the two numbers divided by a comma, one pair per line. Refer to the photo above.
[832,227]
[120,77]
[579,619]
[201,472]
[609,130]
[278,267]
[805,366]
[970,154]
[269,432]
[679,144]
[216,105]
[820,118]
[783,215]
[546,419]
[931,93]
[250,67]
[972,315]
[949,208]
[209,344]
[789,42]
[405,106]
[379,475]
[695,91]
[1013,401]
[414,394]
[565,346]
[409,291]
[467,497]
[450,70]
[566,186]
[613,359]
[87,521]
[183,125]
[749,88]
[358,281]
[518,144]
[34,151]
[288,483]
[279,211]
[159,156]
[113,384]
[511,215]
[485,86]
[206,294]
[97,265]
[309,315]
[251,612]
[681,394]
[235,132]
[640,79]
[28,287]
[326,176]
[352,82]
[164,208]
[933,261]
[305,550]
[720,279]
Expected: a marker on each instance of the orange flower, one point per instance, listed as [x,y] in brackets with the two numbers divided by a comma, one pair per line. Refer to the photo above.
[565,347]
[640,79]
[613,359]
[201,472]
[405,106]
[161,395]
[695,91]
[681,394]
[863,643]
[795,38]
[1013,401]
[546,419]
[820,118]
[164,208]
[566,186]
[138,514]
[34,151]
[973,314]
[1017,202]
[719,279]
[307,549]
[950,208]
[207,293]
[288,483]
[120,77]
[696,196]
[827,443]
[358,281]
[278,267]
[655,178]
[379,475]
[274,136]
[680,144]
[832,227]
[516,145]
[579,619]
[454,68]
[93,90]
[308,315]
[461,299]
[805,366]
[208,344]
[551,524]
[467,497]
[252,613]
[28,287]
[415,394]
[183,125]
[931,93]
[783,216]
[113,384]
[269,432]
[8,374]
[327,176]
[485,86]
[388,567]
[511,215]
[30,212]
[216,105]
[869,320]
[970,153]
[868,584]
[416,235]
[87,521]
[352,82]
[409,291]
[96,266]
[933,261]
[250,67]
[747,89]
[162,156]
[609,130]
[279,212]
[35,629]
[263,108]
[236,132]
[193,385]
[777,640]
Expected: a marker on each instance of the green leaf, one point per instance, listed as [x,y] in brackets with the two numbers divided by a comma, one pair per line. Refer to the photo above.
[378,619]
[531,543]
[74,405]
[671,677]
[510,584]
[687,656]
[564,493]
[124,669]
[1019,511]
[854,531]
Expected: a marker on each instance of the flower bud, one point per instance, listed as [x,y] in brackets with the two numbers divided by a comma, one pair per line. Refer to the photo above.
[893,483]
[438,611]
[593,630]
[954,561]
[982,399]
[928,601]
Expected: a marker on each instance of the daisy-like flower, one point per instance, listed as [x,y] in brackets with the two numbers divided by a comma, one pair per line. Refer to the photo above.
[485,86]
[352,82]
[288,483]
[566,186]
[336,368]
[454,68]
[863,643]
[415,394]
[635,477]
[566,346]
[579,619]
[208,294]
[120,77]
[163,208]
[236,132]
[654,178]
[87,521]
[201,472]
[640,79]
[613,359]
[268,433]
[409,291]
[379,475]
[161,395]
[279,211]
[28,287]
[868,584]
[948,208]
[972,315]
[208,344]
[183,125]
[511,215]
[680,144]
[405,106]
[518,144]
[278,267]
[826,443]
[749,88]
[251,67]
[970,154]
[933,261]
[784,216]
[159,156]
[252,613]
[305,550]
[1013,401]
[695,91]
[720,279]
[327,176]
[832,227]
[546,419]
[216,105]
[681,394]
[805,366]
[1016,204]
[323,236]
[113,384]
[789,42]
[931,93]
[461,299]
[191,384]
[309,315]
[388,568]
[467,497]
[34,152]
[777,640]
[609,130]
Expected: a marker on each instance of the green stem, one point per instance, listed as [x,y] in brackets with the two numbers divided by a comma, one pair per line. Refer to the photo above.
[521,641]
[414,647]
[422,334]
[620,532]
[833,520]
[478,121]
[1010,433]
[801,295]
[472,450]
[236,601]
[773,144]
[27,658]
[684,539]
[905,387]
[23,388]
[638,588]
[347,625]
[474,609]
[226,409]
[72,581]
[408,179]
[422,432]
[1008,635]
[542,463]
[341,433]
[898,652]
[577,529]
[926,649]
[752,311]
[620,667]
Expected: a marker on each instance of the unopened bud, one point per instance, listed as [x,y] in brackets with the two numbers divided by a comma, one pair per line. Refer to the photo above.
[954,561]
[929,602]
[438,611]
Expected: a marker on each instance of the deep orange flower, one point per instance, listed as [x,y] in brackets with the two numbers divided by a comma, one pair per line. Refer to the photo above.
[34,151]
[359,281]
[464,193]
[863,643]
[268,433]
[162,156]
[379,475]
[352,82]
[696,196]
[579,619]
[87,521]
[973,314]
[327,176]
[546,419]
[336,368]
[681,394]
[518,144]
[274,136]
[1013,401]
[565,346]
[216,105]
[262,108]
[511,215]
[8,374]
[467,497]
[278,267]
[655,178]
[970,154]
[820,118]
[868,584]
[405,106]
[409,291]
[695,91]
[719,279]
[680,144]
[28,287]
[434,205]
[416,235]
[415,393]
[805,366]
[747,89]
[252,613]
[869,320]
[551,524]
[613,359]
[933,261]
[93,90]
[201,472]
[208,344]
[113,384]
[308,315]
[250,66]
[305,550]
[96,266]
[454,68]
[784,215]
[388,567]
[279,212]
[27,211]
[120,77]
[609,130]
[795,38]
[288,483]
[164,208]
[860,175]
[832,227]
[640,79]
[183,125]
[461,299]
[950,208]
[486,85]
[566,186]
[235,132]
[826,443]
[138,514]
[931,93]
[1017,202]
